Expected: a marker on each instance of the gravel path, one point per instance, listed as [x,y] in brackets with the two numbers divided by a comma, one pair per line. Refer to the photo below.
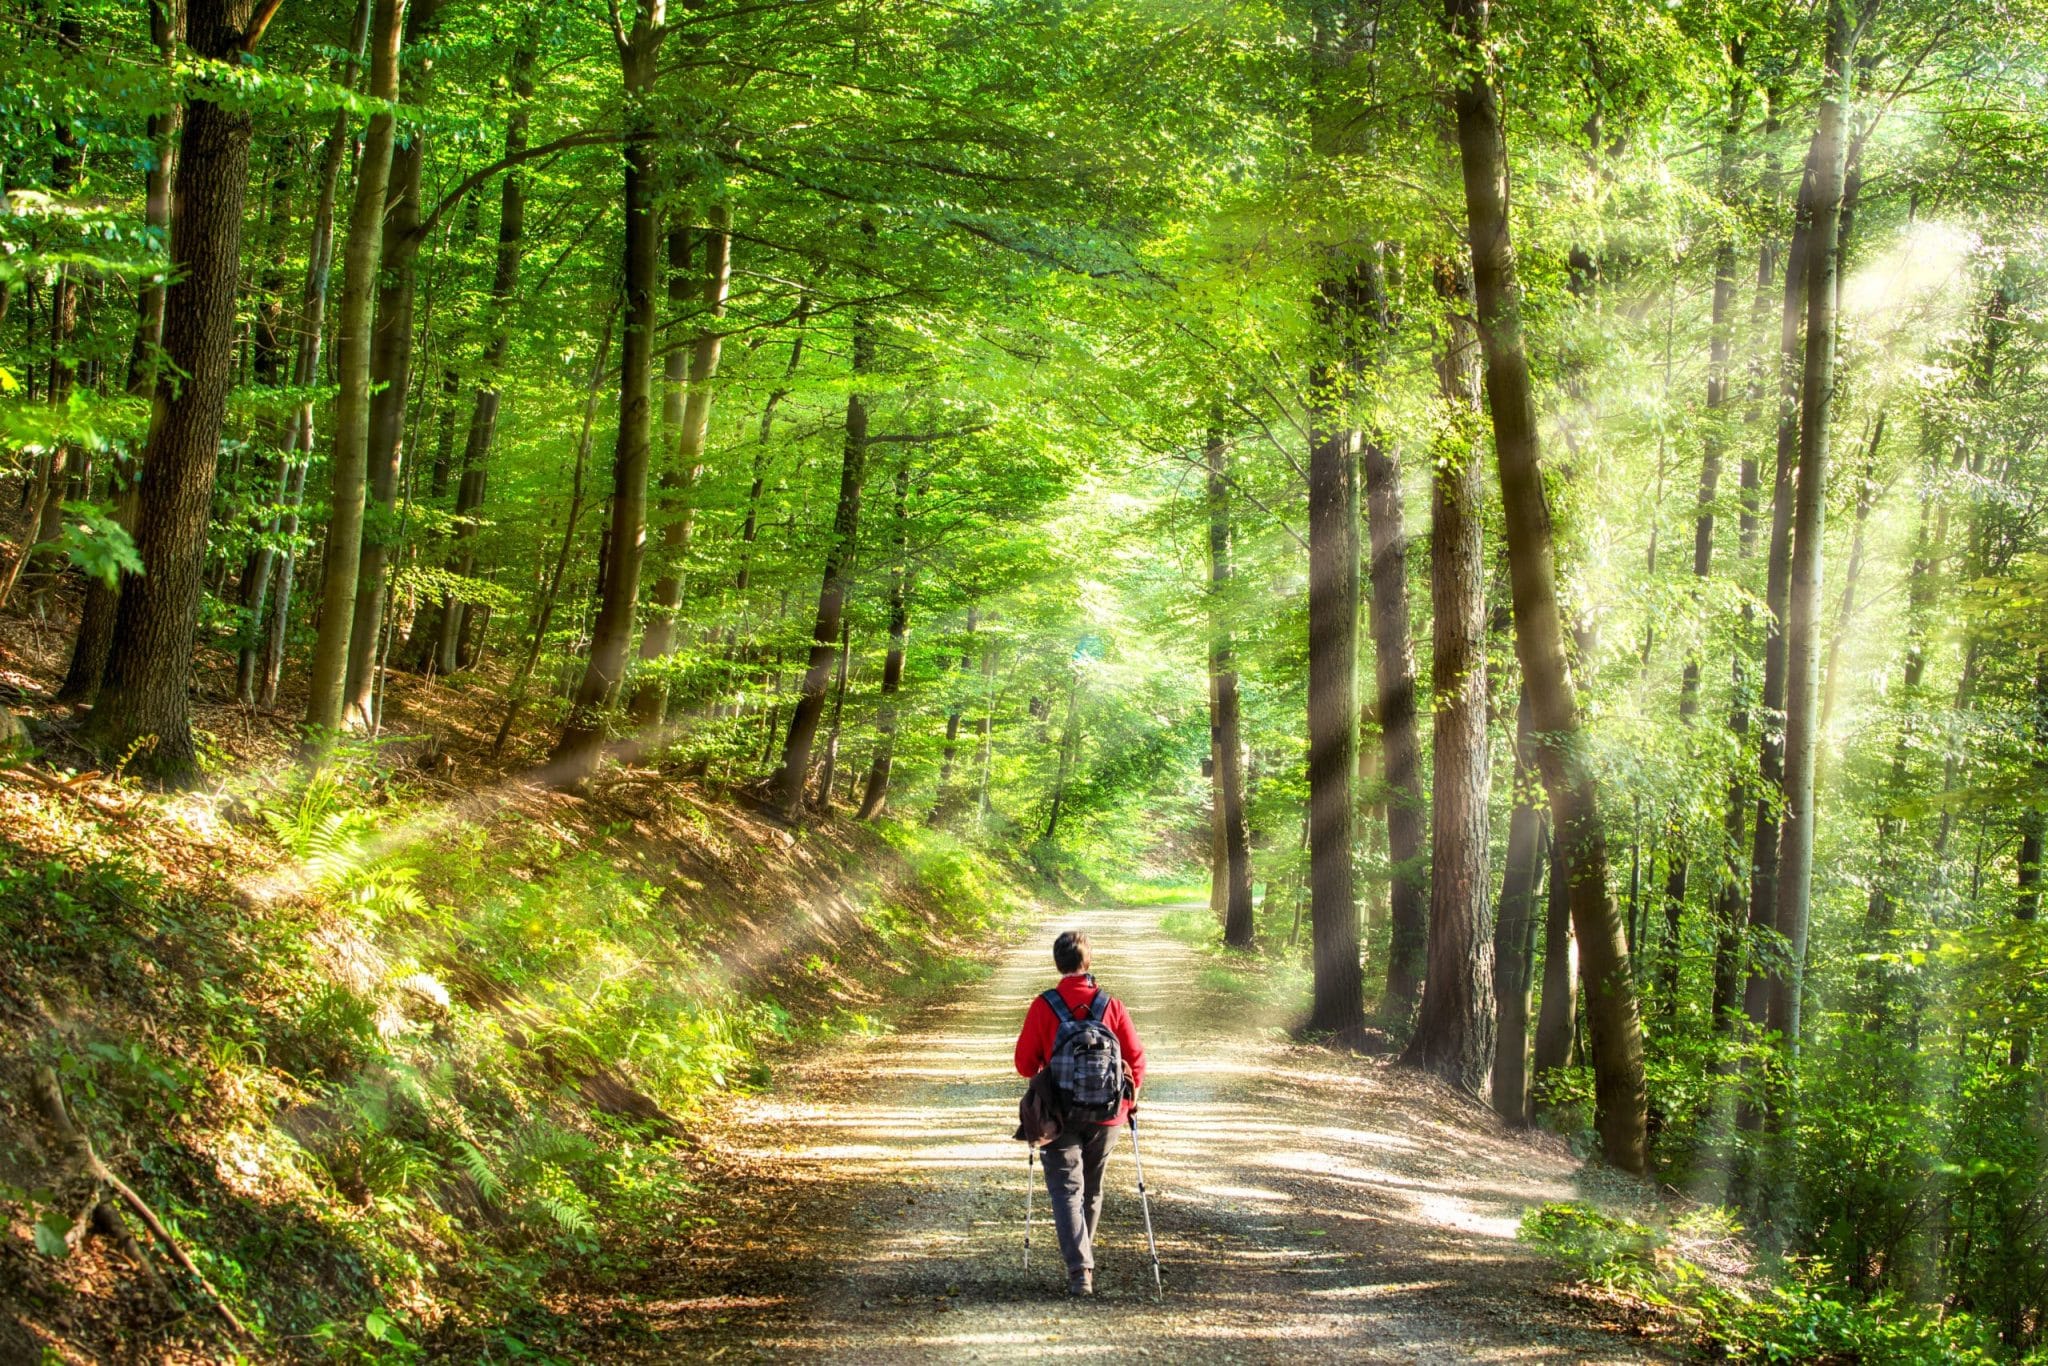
[1309,1207]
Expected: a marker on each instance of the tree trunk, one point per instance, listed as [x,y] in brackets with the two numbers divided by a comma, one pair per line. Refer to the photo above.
[830,768]
[1514,931]
[1233,871]
[1793,896]
[349,458]
[391,348]
[1845,612]
[482,432]
[142,700]
[1454,1029]
[544,611]
[102,599]
[1400,742]
[901,578]
[679,481]
[581,744]
[788,782]
[1614,1028]
[1338,1001]
[1719,345]
[1070,744]
[942,801]
[1763,877]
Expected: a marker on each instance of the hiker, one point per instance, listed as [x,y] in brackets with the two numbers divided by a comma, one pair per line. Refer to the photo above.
[1090,1107]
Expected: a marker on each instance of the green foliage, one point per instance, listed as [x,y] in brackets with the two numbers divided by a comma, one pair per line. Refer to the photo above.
[1790,1315]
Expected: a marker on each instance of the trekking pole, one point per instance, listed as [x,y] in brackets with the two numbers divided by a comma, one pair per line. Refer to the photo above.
[1158,1289]
[1029,1150]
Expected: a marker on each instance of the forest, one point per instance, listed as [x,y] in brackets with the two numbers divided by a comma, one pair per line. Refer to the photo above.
[558,560]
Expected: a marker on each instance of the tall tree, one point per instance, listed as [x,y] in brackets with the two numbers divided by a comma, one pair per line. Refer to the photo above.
[581,743]
[1613,1023]
[1233,870]
[472,482]
[142,700]
[1514,933]
[391,348]
[788,783]
[1454,1029]
[1400,745]
[349,459]
[680,480]
[902,578]
[1338,1004]
[1828,160]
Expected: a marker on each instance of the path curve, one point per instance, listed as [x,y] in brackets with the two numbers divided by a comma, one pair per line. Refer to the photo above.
[1309,1206]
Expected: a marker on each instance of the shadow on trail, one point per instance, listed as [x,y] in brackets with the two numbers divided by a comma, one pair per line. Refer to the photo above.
[1309,1206]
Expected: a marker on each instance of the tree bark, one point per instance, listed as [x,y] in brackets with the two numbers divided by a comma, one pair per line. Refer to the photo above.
[1763,877]
[1720,336]
[679,481]
[349,457]
[581,744]
[1614,1027]
[1233,871]
[391,348]
[1845,611]
[1793,897]
[1514,932]
[103,600]
[1454,1028]
[482,432]
[1400,741]
[829,769]
[142,698]
[788,783]
[901,578]
[1338,998]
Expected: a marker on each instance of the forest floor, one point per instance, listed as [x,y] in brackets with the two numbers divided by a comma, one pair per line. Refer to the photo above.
[1309,1206]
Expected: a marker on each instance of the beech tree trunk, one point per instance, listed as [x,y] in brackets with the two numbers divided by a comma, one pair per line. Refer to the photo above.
[471,486]
[942,802]
[1816,402]
[391,348]
[1763,873]
[1338,1000]
[581,744]
[679,481]
[142,700]
[901,578]
[1720,330]
[1613,1024]
[1232,872]
[787,784]
[102,599]
[349,458]
[1514,932]
[1454,1028]
[1400,743]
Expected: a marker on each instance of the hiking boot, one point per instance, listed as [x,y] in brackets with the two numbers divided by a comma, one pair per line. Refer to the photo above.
[1080,1283]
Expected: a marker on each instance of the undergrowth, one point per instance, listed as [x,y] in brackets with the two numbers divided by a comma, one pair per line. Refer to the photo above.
[389,1068]
[1790,1311]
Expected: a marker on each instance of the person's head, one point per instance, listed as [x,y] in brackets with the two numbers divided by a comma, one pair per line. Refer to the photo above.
[1070,952]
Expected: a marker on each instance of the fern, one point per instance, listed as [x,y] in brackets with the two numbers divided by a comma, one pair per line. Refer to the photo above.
[481,1174]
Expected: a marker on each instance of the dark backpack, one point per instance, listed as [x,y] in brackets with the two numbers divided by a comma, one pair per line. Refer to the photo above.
[1087,1062]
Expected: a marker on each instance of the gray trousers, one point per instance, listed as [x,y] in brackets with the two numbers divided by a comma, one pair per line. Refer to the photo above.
[1073,1180]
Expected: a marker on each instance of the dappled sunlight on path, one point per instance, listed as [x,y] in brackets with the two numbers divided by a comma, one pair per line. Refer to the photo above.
[1309,1206]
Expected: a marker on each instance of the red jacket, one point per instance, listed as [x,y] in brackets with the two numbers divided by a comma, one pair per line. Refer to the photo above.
[1041,1026]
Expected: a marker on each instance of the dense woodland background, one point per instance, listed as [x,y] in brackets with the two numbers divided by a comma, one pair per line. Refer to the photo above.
[1549,499]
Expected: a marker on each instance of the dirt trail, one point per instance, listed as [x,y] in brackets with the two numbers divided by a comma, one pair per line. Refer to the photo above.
[1309,1207]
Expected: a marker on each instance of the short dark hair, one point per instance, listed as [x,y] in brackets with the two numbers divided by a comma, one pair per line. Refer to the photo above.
[1070,951]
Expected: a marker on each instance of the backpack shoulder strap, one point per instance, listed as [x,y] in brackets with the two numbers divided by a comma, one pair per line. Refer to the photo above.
[1098,1009]
[1058,1003]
